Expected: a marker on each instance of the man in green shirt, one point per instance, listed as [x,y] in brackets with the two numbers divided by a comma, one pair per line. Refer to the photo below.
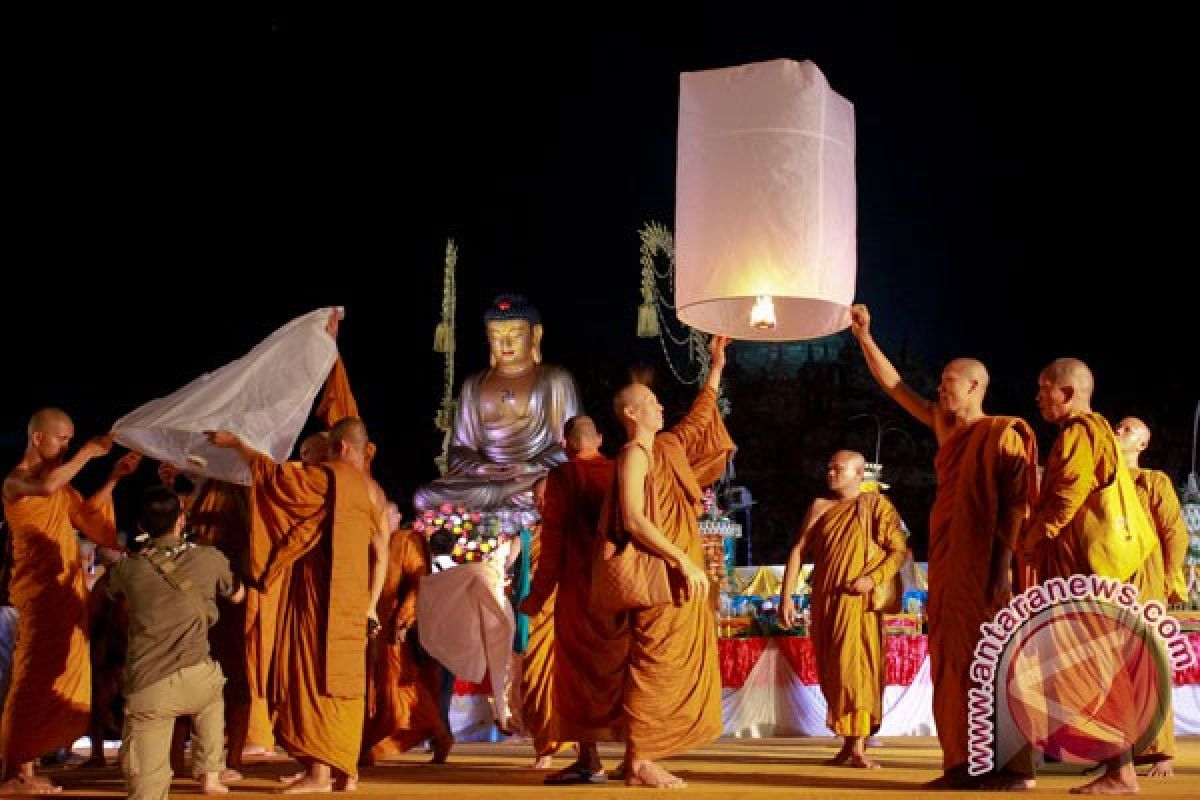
[170,588]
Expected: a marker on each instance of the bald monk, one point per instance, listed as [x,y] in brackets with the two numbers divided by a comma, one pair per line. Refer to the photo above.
[672,695]
[318,529]
[49,702]
[589,650]
[1084,458]
[337,402]
[1162,577]
[855,542]
[986,467]
[403,686]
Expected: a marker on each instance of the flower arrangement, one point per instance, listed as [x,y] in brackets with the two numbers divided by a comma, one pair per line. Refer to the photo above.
[469,535]
[711,511]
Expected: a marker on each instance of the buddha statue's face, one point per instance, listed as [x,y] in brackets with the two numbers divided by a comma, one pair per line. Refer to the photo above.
[512,344]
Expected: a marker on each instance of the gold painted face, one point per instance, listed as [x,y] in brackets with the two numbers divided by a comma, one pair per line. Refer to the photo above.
[511,343]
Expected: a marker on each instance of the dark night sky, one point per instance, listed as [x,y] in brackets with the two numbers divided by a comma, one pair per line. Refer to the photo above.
[236,172]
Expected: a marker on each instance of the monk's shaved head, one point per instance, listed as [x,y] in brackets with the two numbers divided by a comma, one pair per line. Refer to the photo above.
[351,431]
[46,420]
[973,369]
[636,406]
[1133,436]
[1070,372]
[845,471]
[851,458]
[315,449]
[579,430]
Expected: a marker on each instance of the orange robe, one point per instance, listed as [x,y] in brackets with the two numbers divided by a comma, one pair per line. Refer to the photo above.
[590,649]
[219,516]
[847,639]
[261,608]
[310,541]
[538,668]
[402,691]
[1162,576]
[50,699]
[337,401]
[985,484]
[672,698]
[1083,458]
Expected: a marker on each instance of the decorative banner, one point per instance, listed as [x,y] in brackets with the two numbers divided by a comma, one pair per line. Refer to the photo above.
[765,202]
[264,397]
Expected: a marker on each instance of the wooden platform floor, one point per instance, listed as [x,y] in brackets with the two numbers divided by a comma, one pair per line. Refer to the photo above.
[730,768]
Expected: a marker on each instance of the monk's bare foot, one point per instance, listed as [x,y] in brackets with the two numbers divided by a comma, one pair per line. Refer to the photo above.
[308,785]
[1162,769]
[441,749]
[28,784]
[1109,783]
[841,758]
[955,779]
[1006,781]
[228,775]
[288,780]
[860,761]
[652,776]
[543,762]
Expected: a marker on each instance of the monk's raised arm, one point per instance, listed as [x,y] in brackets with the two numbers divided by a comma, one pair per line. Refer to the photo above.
[21,483]
[884,372]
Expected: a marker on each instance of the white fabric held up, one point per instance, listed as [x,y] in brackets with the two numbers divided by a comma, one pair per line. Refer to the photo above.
[264,397]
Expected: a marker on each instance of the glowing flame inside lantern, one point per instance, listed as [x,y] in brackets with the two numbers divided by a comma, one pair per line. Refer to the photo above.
[762,316]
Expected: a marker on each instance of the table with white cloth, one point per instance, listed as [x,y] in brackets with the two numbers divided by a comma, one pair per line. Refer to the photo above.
[769,688]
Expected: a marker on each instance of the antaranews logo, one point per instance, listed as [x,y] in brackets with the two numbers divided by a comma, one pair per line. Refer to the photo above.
[1075,667]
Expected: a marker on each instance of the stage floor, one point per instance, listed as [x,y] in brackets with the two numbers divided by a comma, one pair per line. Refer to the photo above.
[729,768]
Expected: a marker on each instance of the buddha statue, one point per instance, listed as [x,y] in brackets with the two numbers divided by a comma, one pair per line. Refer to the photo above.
[508,423]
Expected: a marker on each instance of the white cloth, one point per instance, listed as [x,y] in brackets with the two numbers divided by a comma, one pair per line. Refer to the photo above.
[264,397]
[465,622]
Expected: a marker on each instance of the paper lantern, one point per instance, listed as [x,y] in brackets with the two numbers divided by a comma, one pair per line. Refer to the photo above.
[765,202]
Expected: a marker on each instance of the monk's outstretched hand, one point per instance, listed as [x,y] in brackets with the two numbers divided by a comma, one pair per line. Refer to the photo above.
[223,438]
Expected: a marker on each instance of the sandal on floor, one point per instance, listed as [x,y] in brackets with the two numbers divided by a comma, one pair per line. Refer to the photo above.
[576,773]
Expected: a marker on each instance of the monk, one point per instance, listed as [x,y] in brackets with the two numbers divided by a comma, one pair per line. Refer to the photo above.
[672,696]
[403,685]
[1162,577]
[533,646]
[589,651]
[49,702]
[337,402]
[1084,458]
[986,467]
[855,542]
[318,529]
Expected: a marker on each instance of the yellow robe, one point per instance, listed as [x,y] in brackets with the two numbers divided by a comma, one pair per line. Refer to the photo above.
[985,473]
[672,699]
[310,537]
[538,669]
[590,649]
[1083,458]
[1162,573]
[847,639]
[402,693]
[50,698]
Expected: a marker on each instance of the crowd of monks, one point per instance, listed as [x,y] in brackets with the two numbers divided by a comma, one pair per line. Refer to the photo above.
[324,659]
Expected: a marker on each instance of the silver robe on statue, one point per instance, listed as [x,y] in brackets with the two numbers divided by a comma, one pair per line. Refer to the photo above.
[529,445]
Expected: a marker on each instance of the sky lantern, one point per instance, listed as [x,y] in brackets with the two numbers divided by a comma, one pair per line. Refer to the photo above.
[765,217]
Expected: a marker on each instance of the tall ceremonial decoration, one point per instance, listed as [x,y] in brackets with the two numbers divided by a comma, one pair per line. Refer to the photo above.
[443,342]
